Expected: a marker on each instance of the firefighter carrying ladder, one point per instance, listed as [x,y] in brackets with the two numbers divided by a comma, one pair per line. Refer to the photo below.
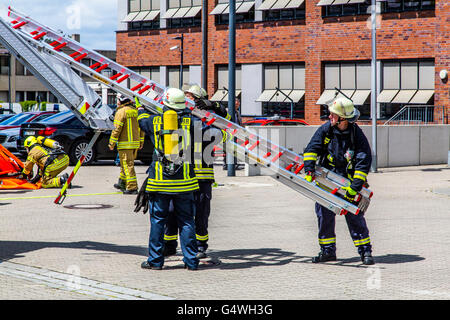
[285,164]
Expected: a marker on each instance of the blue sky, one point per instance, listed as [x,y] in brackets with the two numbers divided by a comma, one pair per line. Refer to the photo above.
[95,20]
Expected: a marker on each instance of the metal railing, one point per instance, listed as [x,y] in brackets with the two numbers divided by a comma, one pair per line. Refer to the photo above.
[418,115]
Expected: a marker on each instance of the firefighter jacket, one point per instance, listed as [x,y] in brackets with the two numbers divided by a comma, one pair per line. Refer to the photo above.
[43,157]
[346,152]
[126,134]
[163,176]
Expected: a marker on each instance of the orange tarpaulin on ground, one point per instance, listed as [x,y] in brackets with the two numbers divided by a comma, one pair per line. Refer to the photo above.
[10,168]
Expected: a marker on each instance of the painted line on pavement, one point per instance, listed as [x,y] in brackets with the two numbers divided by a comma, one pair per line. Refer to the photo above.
[76,284]
[70,195]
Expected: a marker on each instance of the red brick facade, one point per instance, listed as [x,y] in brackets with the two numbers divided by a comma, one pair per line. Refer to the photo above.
[313,41]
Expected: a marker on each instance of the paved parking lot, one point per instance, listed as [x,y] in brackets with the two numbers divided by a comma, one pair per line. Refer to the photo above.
[263,233]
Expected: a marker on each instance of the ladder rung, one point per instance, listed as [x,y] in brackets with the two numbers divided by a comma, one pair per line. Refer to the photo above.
[267,155]
[81,56]
[144,89]
[136,87]
[114,77]
[289,167]
[95,65]
[37,37]
[17,26]
[73,55]
[299,169]
[54,43]
[277,157]
[102,68]
[210,122]
[62,45]
[254,145]
[125,77]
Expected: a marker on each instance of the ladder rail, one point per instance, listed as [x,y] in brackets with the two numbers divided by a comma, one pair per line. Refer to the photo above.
[286,163]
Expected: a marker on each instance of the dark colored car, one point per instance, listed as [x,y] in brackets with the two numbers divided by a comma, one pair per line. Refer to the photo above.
[16,120]
[275,121]
[74,136]
[4,117]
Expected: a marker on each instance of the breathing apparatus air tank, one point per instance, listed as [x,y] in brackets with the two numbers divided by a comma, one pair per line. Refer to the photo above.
[48,142]
[171,138]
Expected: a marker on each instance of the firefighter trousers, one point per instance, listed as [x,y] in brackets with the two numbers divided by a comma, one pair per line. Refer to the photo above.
[356,225]
[127,173]
[202,212]
[50,177]
[184,207]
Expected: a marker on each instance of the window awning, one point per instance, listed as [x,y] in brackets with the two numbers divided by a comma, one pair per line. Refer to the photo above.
[293,4]
[386,96]
[338,2]
[422,97]
[345,93]
[266,96]
[170,13]
[296,96]
[325,2]
[227,9]
[181,12]
[222,95]
[220,8]
[327,96]
[356,1]
[130,17]
[245,7]
[266,5]
[152,15]
[193,12]
[404,96]
[360,97]
[140,16]
[279,97]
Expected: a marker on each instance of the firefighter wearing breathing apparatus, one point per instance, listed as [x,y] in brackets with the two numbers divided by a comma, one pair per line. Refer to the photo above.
[204,171]
[171,178]
[50,159]
[340,146]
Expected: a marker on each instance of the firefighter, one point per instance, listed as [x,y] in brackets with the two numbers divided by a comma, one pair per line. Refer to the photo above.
[50,159]
[204,171]
[171,178]
[128,138]
[340,146]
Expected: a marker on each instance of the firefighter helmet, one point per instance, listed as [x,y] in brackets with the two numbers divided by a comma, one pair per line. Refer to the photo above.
[174,98]
[344,108]
[195,90]
[30,141]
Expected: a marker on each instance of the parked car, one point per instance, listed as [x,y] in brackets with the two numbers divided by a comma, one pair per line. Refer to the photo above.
[4,117]
[275,121]
[74,136]
[24,117]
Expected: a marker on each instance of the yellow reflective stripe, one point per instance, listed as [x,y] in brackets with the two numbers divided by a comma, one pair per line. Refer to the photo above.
[360,175]
[31,159]
[118,123]
[143,116]
[330,157]
[202,238]
[228,117]
[361,242]
[169,238]
[129,130]
[327,241]
[326,140]
[310,156]
[128,144]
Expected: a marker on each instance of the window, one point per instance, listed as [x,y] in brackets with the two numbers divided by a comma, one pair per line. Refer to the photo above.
[284,87]
[183,13]
[20,96]
[151,73]
[221,95]
[282,9]
[353,79]
[20,68]
[174,76]
[337,8]
[143,14]
[4,65]
[407,5]
[245,11]
[404,83]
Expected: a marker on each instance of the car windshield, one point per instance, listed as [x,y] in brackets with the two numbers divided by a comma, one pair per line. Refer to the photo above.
[41,117]
[58,118]
[17,119]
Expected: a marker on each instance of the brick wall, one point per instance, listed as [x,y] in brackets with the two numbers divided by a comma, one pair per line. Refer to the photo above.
[401,36]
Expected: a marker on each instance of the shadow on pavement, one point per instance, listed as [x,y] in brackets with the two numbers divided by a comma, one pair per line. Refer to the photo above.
[15,249]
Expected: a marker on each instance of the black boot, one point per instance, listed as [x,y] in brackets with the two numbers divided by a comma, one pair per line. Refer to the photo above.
[169,251]
[130,191]
[120,185]
[324,257]
[367,259]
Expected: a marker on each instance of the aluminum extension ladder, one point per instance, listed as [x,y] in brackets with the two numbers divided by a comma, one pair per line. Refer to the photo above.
[285,165]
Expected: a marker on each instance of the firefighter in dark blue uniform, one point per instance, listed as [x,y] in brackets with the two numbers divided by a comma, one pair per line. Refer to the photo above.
[341,146]
[171,178]
[204,171]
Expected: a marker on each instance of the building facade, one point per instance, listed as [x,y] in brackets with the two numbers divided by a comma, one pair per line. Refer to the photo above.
[294,53]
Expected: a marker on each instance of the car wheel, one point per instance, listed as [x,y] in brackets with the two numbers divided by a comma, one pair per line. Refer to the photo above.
[77,151]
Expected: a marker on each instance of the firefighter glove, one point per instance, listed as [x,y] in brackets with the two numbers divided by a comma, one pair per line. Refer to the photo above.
[310,176]
[35,179]
[142,199]
[138,103]
[350,193]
